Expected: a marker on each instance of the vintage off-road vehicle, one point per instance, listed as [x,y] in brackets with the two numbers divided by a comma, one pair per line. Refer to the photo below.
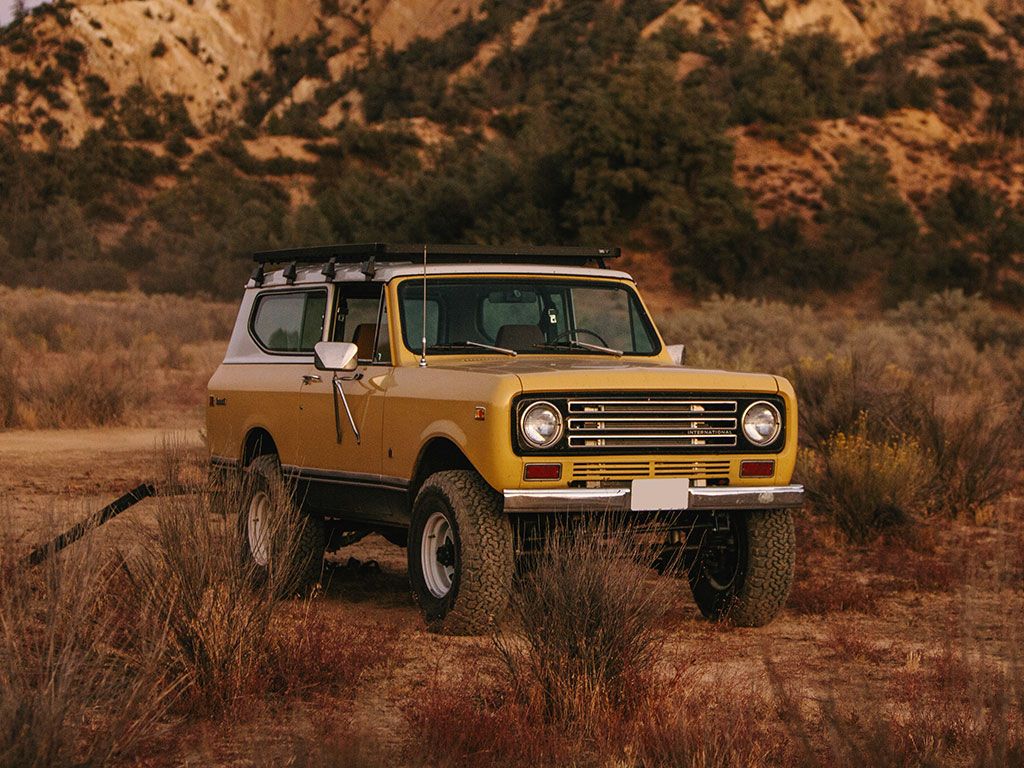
[455,399]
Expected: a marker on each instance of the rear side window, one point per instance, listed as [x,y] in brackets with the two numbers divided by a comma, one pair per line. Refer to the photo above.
[289,322]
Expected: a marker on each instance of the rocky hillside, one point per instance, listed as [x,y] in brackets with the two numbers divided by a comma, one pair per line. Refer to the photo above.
[757,147]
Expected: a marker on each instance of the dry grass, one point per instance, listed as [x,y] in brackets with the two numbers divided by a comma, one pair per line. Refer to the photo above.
[74,361]
[71,692]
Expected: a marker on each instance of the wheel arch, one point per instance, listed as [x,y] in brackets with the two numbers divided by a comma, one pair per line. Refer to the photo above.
[258,442]
[437,455]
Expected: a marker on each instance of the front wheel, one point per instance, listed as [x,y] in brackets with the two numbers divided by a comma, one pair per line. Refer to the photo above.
[743,574]
[460,553]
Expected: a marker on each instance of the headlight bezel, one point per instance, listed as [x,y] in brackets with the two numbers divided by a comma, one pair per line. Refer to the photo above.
[559,420]
[776,414]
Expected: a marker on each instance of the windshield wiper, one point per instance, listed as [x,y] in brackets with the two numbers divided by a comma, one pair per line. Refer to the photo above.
[476,344]
[577,344]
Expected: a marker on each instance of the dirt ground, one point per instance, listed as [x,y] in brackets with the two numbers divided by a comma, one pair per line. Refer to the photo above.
[845,653]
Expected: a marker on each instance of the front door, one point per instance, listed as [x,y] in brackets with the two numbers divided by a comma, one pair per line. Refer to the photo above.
[341,465]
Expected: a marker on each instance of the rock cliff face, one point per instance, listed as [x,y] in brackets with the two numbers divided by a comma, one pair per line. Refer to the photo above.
[202,50]
[206,50]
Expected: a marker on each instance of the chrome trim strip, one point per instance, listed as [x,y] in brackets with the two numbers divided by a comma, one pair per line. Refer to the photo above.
[617,499]
[653,404]
[344,478]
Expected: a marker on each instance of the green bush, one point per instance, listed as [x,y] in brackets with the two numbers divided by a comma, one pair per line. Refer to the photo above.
[866,227]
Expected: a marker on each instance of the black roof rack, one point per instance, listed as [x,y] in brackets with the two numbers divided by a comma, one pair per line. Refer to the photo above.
[354,253]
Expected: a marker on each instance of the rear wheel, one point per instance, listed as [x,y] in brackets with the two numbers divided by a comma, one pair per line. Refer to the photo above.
[277,541]
[460,553]
[743,574]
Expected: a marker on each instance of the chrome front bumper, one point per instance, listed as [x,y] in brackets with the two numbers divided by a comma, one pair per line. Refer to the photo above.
[619,499]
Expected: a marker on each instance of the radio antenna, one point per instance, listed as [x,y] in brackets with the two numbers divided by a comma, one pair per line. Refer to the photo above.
[423,346]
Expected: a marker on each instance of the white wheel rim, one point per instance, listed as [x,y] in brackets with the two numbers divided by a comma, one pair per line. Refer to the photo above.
[437,544]
[257,524]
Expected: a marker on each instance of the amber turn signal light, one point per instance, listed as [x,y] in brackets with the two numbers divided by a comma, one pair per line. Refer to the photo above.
[757,468]
[543,471]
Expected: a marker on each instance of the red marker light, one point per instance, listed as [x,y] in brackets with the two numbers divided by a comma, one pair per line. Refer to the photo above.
[757,468]
[543,472]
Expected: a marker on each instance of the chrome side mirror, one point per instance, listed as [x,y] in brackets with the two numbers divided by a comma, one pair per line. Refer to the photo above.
[678,353]
[335,356]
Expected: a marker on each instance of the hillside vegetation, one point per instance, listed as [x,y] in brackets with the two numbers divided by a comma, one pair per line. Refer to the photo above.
[761,149]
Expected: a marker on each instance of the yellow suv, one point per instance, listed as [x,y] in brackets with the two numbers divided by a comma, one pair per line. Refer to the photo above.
[456,399]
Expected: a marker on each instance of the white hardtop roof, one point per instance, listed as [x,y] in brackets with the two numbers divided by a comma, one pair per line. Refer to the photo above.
[386,271]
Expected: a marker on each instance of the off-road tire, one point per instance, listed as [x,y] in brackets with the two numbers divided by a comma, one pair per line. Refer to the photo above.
[766,552]
[264,475]
[484,560]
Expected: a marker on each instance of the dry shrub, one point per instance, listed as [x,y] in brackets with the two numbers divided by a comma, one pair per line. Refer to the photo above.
[588,626]
[832,591]
[917,563]
[866,486]
[218,610]
[722,724]
[974,446]
[309,651]
[478,724]
[471,722]
[71,693]
[836,393]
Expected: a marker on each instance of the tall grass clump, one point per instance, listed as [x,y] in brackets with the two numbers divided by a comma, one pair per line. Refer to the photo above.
[72,692]
[218,607]
[574,675]
[587,629]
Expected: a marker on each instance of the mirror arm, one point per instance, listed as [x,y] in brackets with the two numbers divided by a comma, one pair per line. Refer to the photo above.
[339,391]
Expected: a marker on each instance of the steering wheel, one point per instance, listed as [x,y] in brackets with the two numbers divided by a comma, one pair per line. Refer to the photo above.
[569,331]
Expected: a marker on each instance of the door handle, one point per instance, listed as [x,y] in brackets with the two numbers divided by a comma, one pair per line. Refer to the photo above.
[310,378]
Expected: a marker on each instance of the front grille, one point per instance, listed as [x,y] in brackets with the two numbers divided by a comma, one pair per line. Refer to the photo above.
[589,471]
[651,423]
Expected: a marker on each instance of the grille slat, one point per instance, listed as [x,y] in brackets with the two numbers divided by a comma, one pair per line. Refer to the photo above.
[628,470]
[652,423]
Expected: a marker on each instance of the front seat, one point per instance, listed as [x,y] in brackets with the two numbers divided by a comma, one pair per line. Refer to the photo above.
[363,338]
[519,337]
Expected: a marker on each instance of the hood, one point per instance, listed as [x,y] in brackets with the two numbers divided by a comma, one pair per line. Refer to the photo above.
[557,373]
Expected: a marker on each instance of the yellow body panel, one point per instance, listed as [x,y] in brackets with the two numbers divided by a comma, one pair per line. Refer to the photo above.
[401,408]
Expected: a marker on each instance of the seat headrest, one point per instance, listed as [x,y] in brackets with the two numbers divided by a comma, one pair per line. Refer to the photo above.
[364,336]
[519,337]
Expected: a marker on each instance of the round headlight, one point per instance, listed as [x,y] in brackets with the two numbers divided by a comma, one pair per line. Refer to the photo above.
[541,425]
[761,423]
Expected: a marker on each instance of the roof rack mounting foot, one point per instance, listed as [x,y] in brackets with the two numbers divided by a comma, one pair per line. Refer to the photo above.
[330,269]
[257,275]
[289,273]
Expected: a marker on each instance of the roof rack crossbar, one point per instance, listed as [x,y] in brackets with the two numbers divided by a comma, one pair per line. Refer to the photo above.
[372,253]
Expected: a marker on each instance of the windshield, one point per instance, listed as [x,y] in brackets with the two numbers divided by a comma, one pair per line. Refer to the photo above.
[525,316]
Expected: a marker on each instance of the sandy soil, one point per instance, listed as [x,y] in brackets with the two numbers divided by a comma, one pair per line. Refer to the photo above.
[840,654]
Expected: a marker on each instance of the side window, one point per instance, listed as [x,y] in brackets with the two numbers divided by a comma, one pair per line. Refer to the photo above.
[357,319]
[290,322]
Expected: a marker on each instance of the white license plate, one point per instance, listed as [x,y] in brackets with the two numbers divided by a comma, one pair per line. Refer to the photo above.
[662,493]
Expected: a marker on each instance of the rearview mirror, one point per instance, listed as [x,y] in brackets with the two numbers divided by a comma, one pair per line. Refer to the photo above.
[335,356]
[678,353]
